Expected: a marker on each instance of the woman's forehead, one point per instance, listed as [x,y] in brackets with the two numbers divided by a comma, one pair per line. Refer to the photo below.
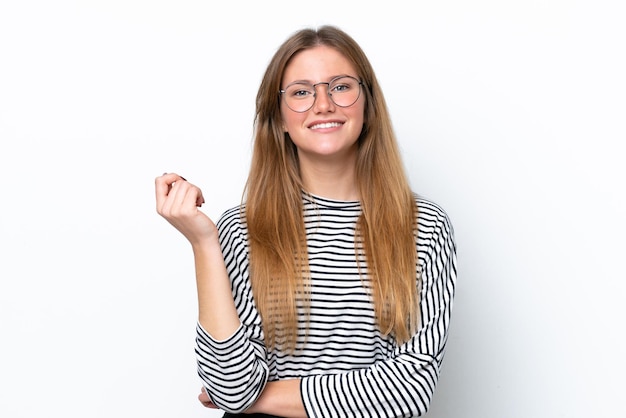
[320,63]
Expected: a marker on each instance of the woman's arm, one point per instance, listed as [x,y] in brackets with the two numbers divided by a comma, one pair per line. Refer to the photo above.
[234,369]
[280,398]
[178,202]
[225,354]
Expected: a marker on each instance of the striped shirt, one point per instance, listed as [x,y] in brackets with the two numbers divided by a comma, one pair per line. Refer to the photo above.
[346,366]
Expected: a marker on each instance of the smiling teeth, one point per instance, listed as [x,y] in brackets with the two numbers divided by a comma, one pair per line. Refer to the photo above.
[326,125]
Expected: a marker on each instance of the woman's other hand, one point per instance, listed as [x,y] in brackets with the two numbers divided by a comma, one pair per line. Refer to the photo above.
[204,399]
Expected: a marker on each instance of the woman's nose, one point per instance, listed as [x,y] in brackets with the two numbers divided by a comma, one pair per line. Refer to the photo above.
[323,102]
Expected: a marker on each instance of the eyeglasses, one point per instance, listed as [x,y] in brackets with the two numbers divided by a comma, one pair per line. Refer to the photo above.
[344,91]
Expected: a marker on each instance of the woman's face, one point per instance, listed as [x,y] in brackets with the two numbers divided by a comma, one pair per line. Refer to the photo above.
[325,131]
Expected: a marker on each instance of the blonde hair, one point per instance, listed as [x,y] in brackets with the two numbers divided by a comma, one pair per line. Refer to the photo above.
[387,226]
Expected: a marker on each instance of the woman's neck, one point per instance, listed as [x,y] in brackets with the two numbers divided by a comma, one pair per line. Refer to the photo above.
[333,181]
[333,184]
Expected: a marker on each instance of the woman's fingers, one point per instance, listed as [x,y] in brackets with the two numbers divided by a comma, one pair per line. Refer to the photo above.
[204,399]
[178,202]
[199,199]
[173,192]
[163,185]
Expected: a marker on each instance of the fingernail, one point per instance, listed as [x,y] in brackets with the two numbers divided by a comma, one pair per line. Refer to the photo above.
[183,178]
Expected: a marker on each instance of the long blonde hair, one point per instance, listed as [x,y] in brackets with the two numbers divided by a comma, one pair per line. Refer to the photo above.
[387,226]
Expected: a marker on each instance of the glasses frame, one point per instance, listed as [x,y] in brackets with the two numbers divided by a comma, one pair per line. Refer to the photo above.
[330,95]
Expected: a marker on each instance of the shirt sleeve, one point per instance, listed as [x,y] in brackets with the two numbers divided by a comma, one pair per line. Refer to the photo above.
[234,371]
[402,385]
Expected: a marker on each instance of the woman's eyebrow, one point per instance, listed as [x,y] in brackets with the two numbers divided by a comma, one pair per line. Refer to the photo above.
[311,81]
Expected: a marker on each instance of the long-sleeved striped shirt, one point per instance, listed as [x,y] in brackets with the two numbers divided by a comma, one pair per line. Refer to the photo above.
[346,366]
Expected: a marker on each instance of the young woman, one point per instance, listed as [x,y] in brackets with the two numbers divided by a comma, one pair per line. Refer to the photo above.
[328,291]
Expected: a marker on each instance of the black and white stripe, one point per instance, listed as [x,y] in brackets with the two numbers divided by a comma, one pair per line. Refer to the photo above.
[347,367]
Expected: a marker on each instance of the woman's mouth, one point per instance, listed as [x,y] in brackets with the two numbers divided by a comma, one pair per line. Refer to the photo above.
[325,125]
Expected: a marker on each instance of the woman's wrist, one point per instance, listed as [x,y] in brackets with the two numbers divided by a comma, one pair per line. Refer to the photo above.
[281,398]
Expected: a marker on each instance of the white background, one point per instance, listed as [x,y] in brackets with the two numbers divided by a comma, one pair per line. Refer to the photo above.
[510,114]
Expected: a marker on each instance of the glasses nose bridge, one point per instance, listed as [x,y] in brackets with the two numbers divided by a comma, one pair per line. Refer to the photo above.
[320,83]
[329,96]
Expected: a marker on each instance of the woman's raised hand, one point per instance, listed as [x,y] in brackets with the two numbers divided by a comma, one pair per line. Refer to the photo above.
[178,201]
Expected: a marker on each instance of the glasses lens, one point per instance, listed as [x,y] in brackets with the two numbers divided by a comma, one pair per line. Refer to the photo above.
[300,96]
[344,91]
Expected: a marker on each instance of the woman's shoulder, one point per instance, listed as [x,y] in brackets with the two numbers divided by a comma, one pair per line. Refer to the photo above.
[431,214]
[232,219]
